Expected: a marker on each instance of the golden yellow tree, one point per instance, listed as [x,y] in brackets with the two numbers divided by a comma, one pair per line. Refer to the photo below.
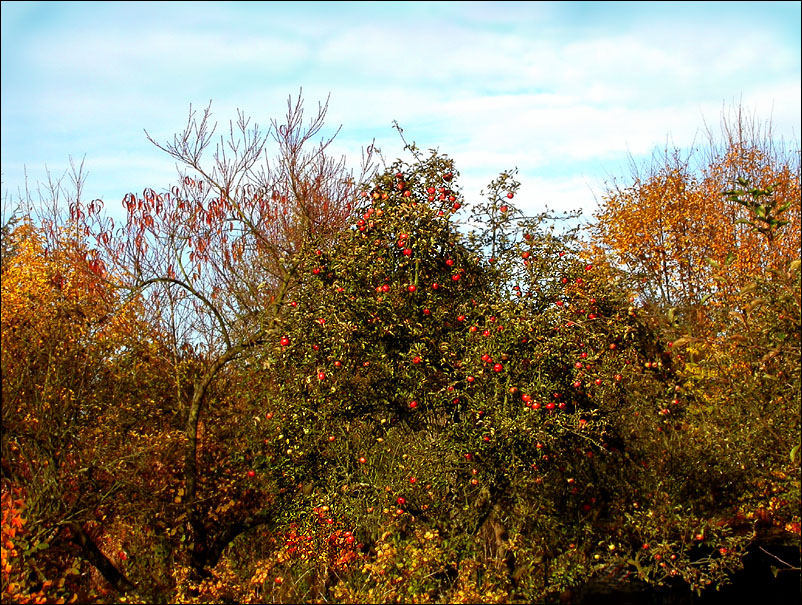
[674,226]
[71,386]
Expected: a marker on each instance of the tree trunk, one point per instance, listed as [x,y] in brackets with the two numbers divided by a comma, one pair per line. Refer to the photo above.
[92,553]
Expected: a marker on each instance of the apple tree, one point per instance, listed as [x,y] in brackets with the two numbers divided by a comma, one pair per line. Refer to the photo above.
[493,404]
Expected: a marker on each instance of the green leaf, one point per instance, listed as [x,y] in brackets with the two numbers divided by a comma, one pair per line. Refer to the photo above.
[794,453]
[35,548]
[637,566]
[754,303]
[682,341]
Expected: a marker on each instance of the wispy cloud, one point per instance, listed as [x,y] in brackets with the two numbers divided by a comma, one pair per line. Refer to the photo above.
[563,91]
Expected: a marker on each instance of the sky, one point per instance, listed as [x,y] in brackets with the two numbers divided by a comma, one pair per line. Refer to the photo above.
[566,92]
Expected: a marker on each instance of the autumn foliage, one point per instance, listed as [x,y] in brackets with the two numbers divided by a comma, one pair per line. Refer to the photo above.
[278,381]
[673,227]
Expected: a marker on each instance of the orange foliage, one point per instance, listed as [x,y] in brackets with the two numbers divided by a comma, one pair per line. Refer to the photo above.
[12,570]
[59,327]
[55,303]
[669,224]
[68,385]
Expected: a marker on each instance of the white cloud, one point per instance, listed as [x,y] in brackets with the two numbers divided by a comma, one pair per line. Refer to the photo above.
[561,94]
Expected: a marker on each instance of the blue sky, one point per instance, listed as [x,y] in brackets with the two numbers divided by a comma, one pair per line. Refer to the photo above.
[563,91]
